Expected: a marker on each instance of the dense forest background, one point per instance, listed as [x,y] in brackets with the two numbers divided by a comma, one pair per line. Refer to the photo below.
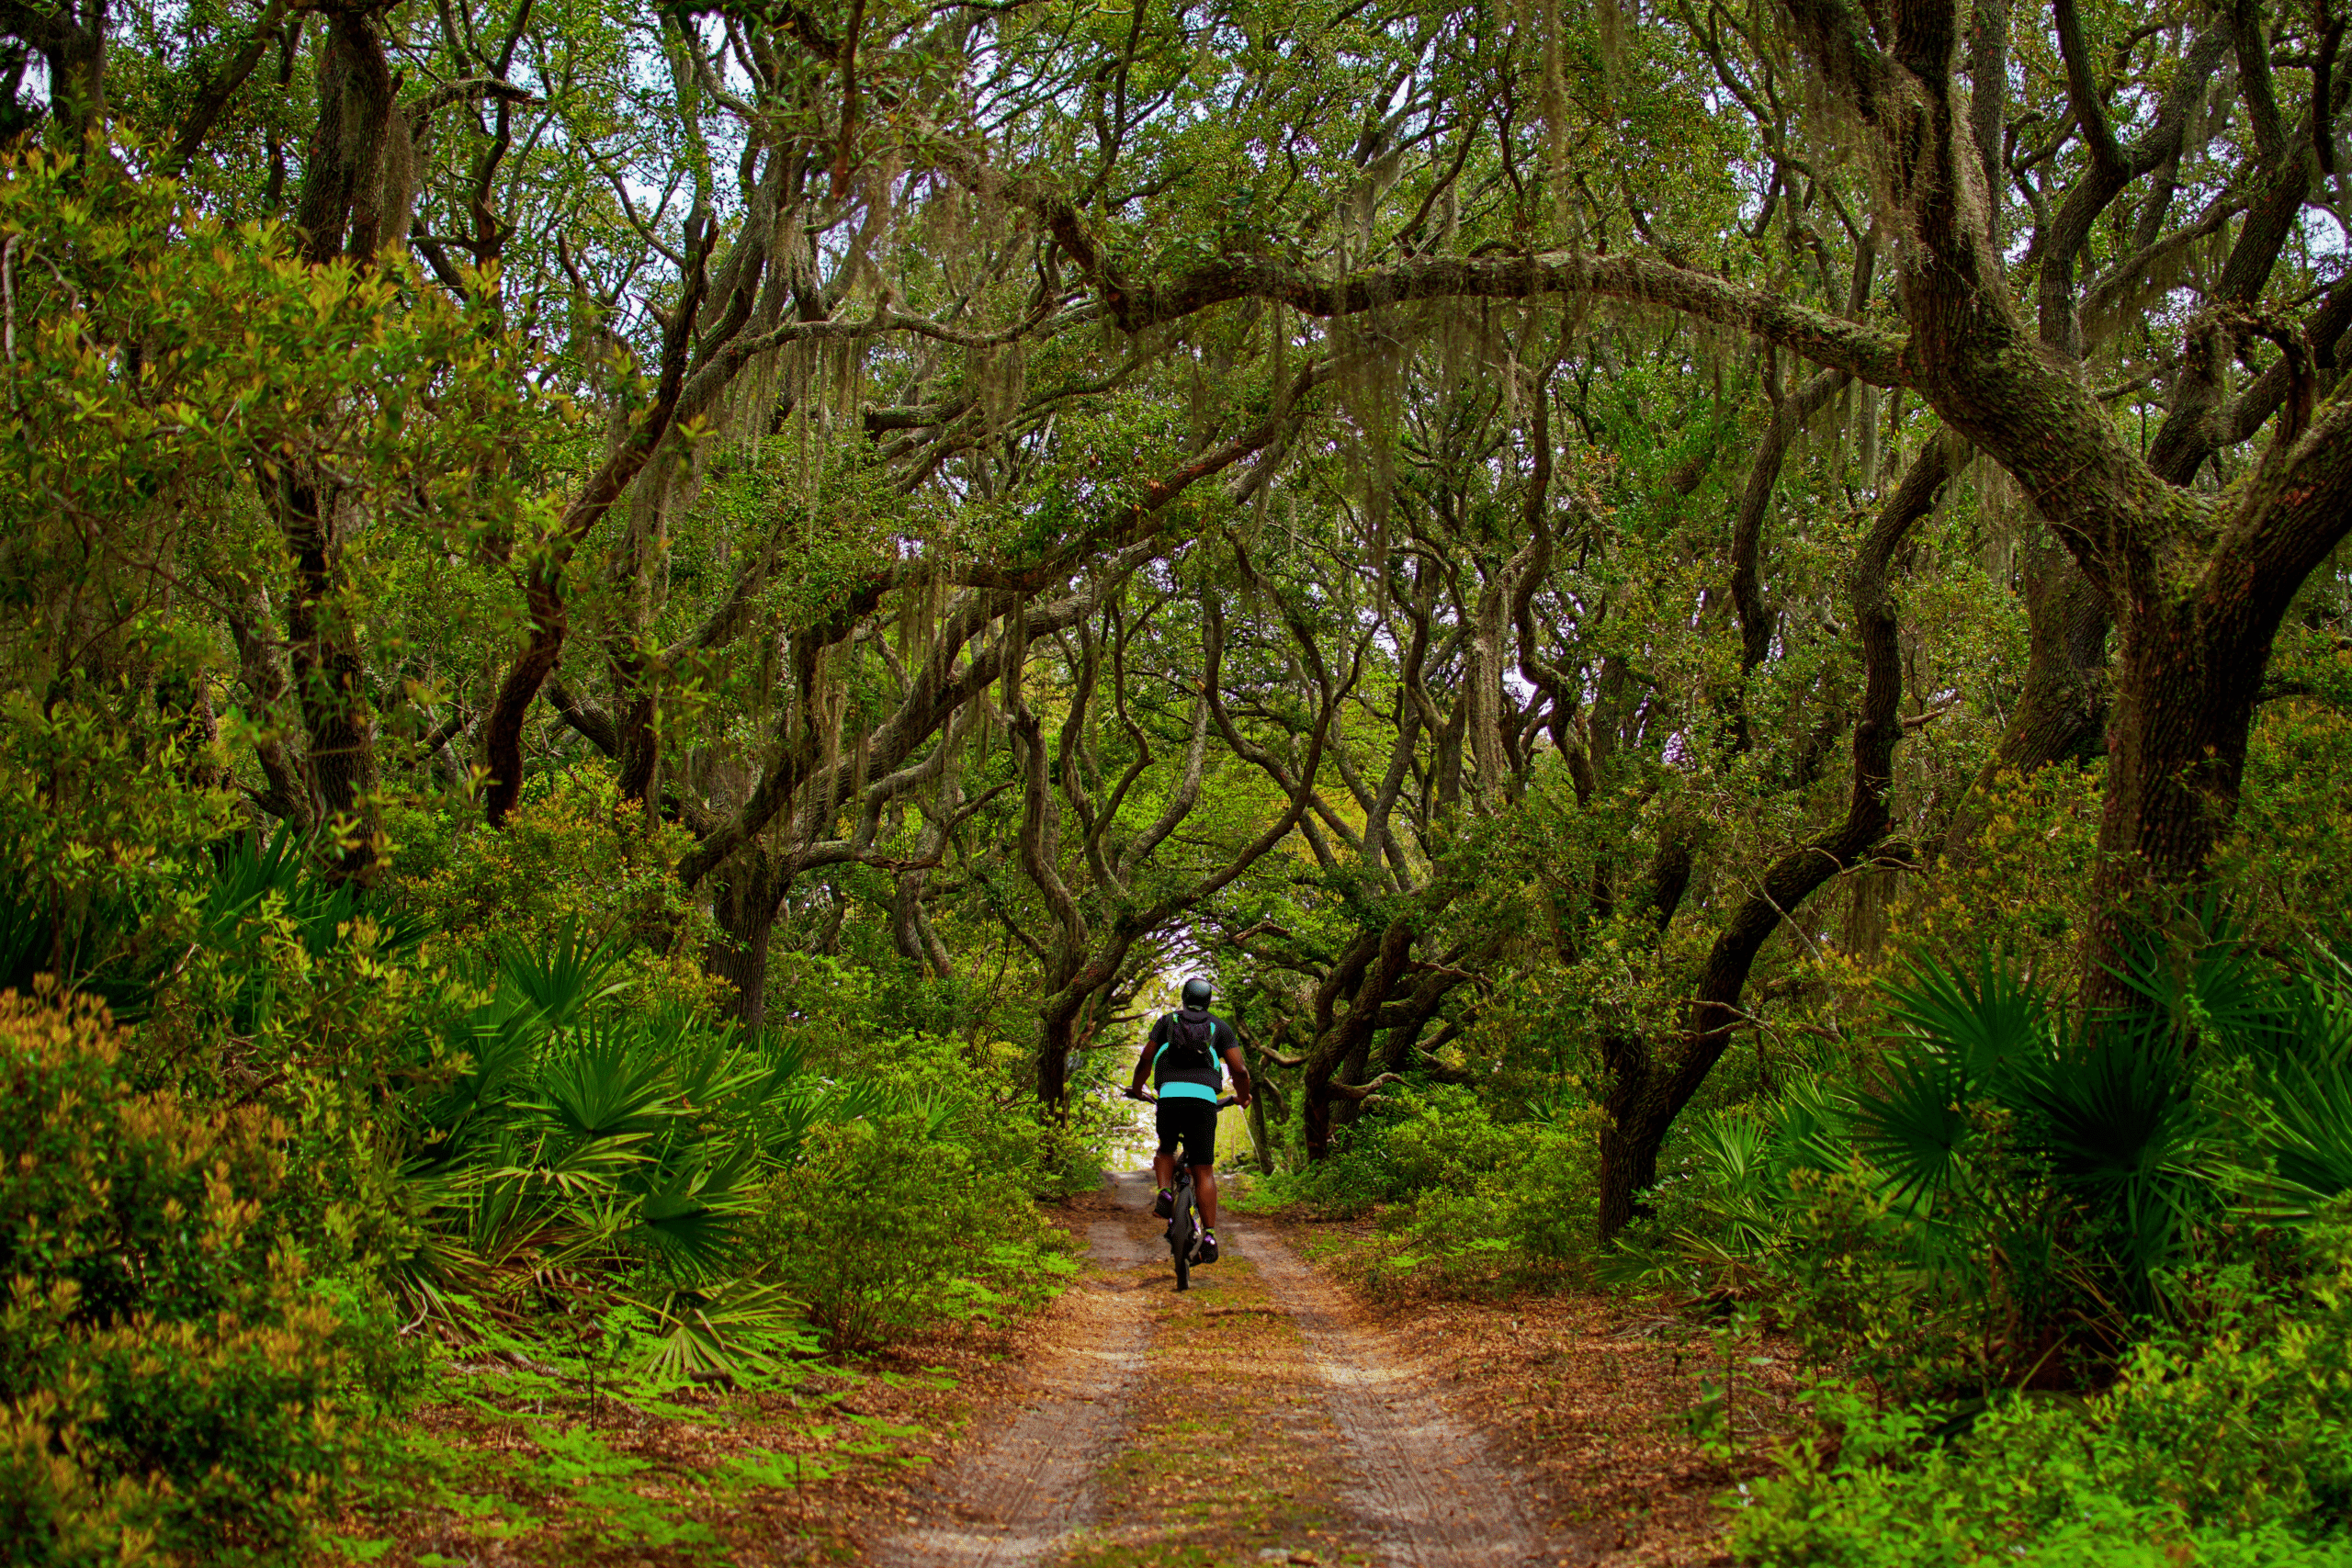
[1722,623]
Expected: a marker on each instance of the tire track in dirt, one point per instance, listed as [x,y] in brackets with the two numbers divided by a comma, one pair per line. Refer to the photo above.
[1012,1503]
[1428,1488]
[1407,1482]
[1230,1459]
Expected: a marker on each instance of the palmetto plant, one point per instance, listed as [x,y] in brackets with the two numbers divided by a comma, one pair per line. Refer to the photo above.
[2294,1157]
[1744,1162]
[590,1152]
[2094,1152]
[2055,1170]
[2229,1086]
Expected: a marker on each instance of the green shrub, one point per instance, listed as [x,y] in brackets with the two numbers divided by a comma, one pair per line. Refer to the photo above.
[2006,1196]
[523,884]
[170,1375]
[2236,1448]
[2019,1195]
[1421,1139]
[1507,1203]
[1352,1181]
[1468,1201]
[874,1221]
[913,1216]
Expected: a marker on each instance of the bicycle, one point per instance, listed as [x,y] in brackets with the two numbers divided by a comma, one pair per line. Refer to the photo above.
[1184,1221]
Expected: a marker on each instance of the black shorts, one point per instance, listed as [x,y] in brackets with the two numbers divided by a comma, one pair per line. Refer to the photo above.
[1194,1123]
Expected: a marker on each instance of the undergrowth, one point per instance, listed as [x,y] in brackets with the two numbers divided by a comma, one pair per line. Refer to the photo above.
[519,1464]
[1465,1199]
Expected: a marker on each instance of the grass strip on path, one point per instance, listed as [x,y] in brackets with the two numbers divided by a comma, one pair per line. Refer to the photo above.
[1233,1457]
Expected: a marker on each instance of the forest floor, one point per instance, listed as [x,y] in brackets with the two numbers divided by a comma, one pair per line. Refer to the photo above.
[1269,1415]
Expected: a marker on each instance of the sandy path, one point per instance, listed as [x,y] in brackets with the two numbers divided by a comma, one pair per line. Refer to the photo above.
[1364,1463]
[1013,1501]
[1426,1485]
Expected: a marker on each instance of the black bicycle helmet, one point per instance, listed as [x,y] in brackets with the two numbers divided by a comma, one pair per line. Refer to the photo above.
[1197,994]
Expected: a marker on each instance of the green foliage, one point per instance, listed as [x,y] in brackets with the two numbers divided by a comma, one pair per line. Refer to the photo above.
[102,872]
[2233,1445]
[175,1375]
[2018,883]
[1722,1209]
[1468,1202]
[586,1155]
[2014,1191]
[248,361]
[641,1177]
[2147,1206]
[2289,1113]
[2284,863]
[524,886]
[597,1481]
[885,1227]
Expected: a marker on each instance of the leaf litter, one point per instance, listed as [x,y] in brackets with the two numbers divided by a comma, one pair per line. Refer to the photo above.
[1231,1455]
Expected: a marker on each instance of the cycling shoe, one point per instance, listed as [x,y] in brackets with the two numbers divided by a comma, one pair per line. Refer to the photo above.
[1164,1205]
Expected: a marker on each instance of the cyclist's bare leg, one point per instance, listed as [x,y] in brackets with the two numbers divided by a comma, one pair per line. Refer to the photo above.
[1204,1194]
[1163,1168]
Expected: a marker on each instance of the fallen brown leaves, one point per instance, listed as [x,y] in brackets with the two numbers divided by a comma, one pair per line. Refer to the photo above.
[482,1495]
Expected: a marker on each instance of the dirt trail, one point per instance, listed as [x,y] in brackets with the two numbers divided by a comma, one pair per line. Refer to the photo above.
[1248,1420]
[1011,1502]
[1429,1481]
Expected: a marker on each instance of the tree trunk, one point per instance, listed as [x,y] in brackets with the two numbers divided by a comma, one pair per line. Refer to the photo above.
[2186,679]
[77,58]
[545,594]
[1371,965]
[2198,585]
[745,903]
[330,676]
[1630,1139]
[641,751]
[2061,712]
[343,178]
[2062,717]
[1355,1070]
[1057,1038]
[341,184]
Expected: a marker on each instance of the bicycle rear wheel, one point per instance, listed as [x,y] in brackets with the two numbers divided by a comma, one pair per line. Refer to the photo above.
[1180,1237]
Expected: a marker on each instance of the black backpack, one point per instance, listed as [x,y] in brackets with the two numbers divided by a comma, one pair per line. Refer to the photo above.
[1191,1046]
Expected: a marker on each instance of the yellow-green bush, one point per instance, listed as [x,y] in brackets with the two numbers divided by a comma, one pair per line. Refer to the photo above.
[171,1381]
[574,856]
[1473,1202]
[900,1221]
[2019,883]
[2285,858]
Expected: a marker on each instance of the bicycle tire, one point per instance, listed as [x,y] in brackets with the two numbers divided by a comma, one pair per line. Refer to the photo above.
[1180,1234]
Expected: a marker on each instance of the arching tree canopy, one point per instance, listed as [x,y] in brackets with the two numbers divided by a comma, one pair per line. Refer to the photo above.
[1510,536]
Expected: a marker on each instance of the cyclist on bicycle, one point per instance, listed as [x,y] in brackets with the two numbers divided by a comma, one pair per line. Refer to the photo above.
[1182,1058]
